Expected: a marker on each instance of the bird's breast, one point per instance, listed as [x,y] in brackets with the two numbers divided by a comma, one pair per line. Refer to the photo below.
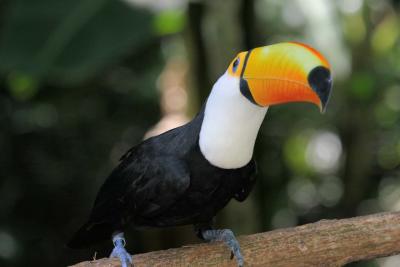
[210,189]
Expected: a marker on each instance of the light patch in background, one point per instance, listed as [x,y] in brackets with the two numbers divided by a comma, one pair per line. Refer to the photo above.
[266,9]
[392,98]
[292,15]
[355,28]
[157,5]
[389,194]
[173,96]
[303,193]
[388,156]
[330,191]
[350,6]
[306,194]
[323,29]
[385,35]
[294,151]
[384,116]
[393,261]
[284,218]
[377,6]
[323,152]
[8,246]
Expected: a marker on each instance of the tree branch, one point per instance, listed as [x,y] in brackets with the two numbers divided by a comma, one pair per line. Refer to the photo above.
[324,243]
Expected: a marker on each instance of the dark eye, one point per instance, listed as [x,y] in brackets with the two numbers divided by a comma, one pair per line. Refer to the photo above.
[235,65]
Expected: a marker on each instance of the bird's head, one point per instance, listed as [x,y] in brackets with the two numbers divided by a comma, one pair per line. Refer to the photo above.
[282,73]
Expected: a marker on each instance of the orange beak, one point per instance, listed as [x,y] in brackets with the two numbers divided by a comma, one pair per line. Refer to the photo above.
[282,73]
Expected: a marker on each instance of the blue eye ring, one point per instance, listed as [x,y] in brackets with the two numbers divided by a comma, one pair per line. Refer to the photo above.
[235,64]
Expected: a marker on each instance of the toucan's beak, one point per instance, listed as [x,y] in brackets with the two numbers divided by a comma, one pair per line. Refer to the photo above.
[285,72]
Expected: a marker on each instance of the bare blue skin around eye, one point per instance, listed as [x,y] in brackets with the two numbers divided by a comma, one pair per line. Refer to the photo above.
[235,65]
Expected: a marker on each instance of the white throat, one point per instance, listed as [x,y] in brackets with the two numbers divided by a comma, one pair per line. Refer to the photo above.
[230,125]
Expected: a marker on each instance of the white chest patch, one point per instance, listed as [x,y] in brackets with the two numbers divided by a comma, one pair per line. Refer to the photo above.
[230,125]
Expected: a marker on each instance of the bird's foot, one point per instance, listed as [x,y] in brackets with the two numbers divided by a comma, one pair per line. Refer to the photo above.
[227,236]
[120,252]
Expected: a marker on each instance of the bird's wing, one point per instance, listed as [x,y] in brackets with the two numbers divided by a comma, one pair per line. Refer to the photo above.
[140,185]
[166,180]
[249,181]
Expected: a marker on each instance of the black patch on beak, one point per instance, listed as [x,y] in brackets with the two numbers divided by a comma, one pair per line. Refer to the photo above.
[320,81]
[244,86]
[245,90]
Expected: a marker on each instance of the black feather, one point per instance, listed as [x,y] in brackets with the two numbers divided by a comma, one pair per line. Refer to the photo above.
[164,181]
[90,234]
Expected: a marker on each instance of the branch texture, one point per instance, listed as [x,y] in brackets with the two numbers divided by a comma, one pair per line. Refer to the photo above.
[324,243]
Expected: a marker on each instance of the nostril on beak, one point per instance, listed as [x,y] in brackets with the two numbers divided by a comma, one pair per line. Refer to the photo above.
[320,81]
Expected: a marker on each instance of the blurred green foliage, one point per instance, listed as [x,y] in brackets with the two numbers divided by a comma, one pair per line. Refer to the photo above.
[169,22]
[67,41]
[78,87]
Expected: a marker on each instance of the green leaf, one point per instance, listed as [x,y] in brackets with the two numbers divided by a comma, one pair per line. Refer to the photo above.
[169,22]
[22,87]
[294,151]
[69,41]
[385,35]
[362,86]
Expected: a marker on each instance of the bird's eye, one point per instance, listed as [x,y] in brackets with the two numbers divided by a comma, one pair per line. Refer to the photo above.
[235,65]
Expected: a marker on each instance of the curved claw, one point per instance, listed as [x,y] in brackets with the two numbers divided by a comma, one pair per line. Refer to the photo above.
[120,252]
[227,236]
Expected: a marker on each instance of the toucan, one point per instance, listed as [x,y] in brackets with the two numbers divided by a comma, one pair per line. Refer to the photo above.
[186,175]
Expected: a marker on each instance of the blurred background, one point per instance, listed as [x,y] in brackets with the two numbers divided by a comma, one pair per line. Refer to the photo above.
[82,81]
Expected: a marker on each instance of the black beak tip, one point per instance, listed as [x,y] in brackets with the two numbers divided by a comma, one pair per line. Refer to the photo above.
[320,81]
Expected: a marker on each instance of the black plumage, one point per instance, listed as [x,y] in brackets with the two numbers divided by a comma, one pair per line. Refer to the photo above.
[164,181]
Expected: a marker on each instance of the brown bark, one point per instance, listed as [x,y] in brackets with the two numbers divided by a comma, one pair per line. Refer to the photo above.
[324,243]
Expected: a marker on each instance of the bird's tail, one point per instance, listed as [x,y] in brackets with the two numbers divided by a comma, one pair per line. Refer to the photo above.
[90,234]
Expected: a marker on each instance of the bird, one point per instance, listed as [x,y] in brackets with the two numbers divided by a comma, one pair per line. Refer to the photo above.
[186,175]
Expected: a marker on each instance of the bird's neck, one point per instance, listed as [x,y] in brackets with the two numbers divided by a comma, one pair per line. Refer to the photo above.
[230,125]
